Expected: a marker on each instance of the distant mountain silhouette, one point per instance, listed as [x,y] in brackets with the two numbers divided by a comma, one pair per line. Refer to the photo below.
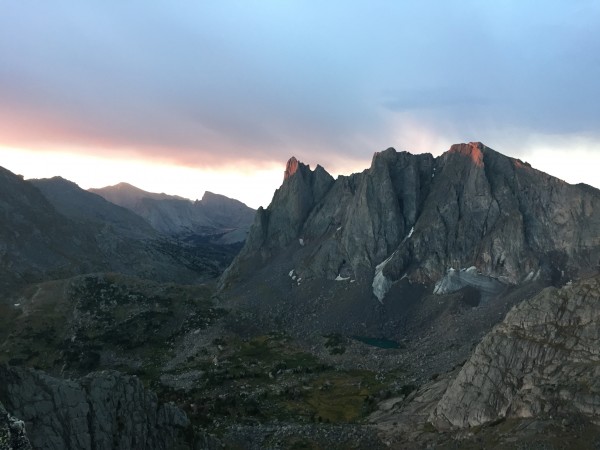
[222,219]
[51,228]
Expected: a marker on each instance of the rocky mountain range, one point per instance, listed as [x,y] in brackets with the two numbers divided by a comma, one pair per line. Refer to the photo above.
[92,210]
[419,216]
[426,252]
[447,302]
[222,219]
[470,218]
[51,228]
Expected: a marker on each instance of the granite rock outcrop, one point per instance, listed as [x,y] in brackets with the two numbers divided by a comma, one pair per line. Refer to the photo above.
[103,410]
[542,361]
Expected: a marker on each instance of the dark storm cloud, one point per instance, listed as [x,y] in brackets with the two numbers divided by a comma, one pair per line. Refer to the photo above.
[218,81]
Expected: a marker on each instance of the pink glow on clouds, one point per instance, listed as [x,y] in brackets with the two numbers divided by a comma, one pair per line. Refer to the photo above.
[250,183]
[47,133]
[207,88]
[41,134]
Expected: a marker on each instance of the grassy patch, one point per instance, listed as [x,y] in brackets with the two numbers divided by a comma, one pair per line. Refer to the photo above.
[337,396]
[336,343]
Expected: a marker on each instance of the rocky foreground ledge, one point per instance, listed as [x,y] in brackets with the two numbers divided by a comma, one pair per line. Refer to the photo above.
[543,360]
[103,410]
[12,432]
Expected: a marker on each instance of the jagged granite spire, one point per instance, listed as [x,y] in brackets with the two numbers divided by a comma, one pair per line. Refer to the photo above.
[291,167]
[281,223]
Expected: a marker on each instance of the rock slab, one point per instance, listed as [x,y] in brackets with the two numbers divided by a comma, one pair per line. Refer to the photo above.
[543,360]
[103,410]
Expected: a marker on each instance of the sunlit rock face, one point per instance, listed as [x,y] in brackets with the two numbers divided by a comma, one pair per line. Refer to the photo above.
[542,361]
[470,207]
[291,168]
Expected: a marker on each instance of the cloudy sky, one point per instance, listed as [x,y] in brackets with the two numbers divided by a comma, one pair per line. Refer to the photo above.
[182,96]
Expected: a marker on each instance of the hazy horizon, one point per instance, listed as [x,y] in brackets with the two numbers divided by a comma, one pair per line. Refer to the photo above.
[276,178]
[187,97]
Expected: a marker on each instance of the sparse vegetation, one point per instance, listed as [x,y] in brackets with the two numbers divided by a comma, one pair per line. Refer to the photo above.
[336,343]
[150,330]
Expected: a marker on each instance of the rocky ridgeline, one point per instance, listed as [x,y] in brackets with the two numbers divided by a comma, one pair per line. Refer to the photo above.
[103,410]
[53,229]
[30,233]
[221,219]
[419,216]
[277,227]
[542,361]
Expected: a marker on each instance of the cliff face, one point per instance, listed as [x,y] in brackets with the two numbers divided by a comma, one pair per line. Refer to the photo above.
[282,222]
[418,216]
[542,361]
[103,410]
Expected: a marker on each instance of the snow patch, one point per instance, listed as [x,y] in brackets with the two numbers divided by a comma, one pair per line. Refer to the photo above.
[407,237]
[381,284]
[458,279]
[17,305]
[341,278]
[301,241]
[339,228]
[532,276]
[291,274]
[293,277]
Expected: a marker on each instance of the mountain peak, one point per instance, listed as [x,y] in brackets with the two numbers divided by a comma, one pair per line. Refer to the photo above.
[207,196]
[55,181]
[124,185]
[472,150]
[292,166]
[210,198]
